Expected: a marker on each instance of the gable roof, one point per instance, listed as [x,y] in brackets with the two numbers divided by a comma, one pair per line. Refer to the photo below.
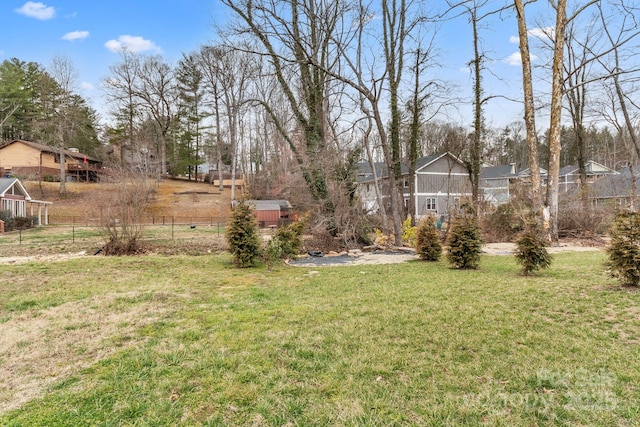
[365,172]
[7,183]
[498,172]
[522,173]
[592,168]
[52,150]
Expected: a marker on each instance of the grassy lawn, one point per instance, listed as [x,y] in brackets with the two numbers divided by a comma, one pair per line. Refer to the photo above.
[189,340]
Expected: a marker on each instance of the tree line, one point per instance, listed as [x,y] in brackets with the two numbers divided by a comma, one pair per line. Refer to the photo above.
[294,94]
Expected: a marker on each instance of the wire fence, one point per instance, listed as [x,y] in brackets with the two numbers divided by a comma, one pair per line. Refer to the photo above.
[78,236]
[89,221]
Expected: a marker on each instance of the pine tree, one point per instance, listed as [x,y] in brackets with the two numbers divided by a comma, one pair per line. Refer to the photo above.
[428,245]
[242,236]
[465,243]
[531,252]
[624,249]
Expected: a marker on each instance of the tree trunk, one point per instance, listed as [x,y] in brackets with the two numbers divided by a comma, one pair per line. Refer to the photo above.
[555,142]
[529,110]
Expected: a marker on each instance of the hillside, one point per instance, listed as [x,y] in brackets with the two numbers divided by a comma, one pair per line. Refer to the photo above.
[177,198]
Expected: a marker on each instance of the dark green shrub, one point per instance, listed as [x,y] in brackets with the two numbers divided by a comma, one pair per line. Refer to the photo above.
[242,236]
[9,220]
[285,243]
[428,246]
[465,243]
[531,251]
[624,249]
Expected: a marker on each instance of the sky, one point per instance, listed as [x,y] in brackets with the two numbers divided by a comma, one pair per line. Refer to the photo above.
[90,33]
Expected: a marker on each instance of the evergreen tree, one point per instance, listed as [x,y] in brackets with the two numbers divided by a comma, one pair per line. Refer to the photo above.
[531,252]
[242,236]
[428,245]
[465,243]
[624,249]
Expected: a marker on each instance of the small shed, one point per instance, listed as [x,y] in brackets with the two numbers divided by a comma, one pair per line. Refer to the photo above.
[271,213]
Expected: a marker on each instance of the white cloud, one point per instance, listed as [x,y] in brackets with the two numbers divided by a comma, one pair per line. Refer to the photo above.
[86,86]
[543,33]
[547,33]
[516,59]
[76,35]
[37,10]
[132,44]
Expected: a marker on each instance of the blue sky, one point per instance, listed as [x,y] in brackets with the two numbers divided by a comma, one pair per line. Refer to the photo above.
[89,33]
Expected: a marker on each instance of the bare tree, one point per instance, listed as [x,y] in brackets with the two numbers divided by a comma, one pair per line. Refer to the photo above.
[156,91]
[296,38]
[529,107]
[555,121]
[120,88]
[580,44]
[65,75]
[122,211]
[627,32]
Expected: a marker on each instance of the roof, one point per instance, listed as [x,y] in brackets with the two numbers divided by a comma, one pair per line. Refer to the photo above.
[7,183]
[365,172]
[498,172]
[592,168]
[53,150]
[614,185]
[268,205]
[527,172]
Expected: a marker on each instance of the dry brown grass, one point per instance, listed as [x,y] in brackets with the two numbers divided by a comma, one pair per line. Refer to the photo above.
[41,347]
[176,198]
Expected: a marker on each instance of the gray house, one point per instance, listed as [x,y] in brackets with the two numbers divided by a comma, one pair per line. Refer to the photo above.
[570,175]
[615,189]
[441,182]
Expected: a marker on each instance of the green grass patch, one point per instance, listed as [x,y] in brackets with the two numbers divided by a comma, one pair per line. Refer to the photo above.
[399,344]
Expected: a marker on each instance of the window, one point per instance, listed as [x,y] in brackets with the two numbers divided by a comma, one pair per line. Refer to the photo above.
[406,182]
[430,204]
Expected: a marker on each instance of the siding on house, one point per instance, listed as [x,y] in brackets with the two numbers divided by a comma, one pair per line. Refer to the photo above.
[30,159]
[13,197]
[441,182]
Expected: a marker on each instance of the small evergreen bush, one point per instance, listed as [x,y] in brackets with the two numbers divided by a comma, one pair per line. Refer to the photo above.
[624,249]
[427,240]
[531,251]
[465,243]
[285,243]
[242,236]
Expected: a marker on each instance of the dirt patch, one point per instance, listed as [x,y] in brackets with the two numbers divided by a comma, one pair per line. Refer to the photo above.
[42,347]
[510,248]
[355,258]
[384,257]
